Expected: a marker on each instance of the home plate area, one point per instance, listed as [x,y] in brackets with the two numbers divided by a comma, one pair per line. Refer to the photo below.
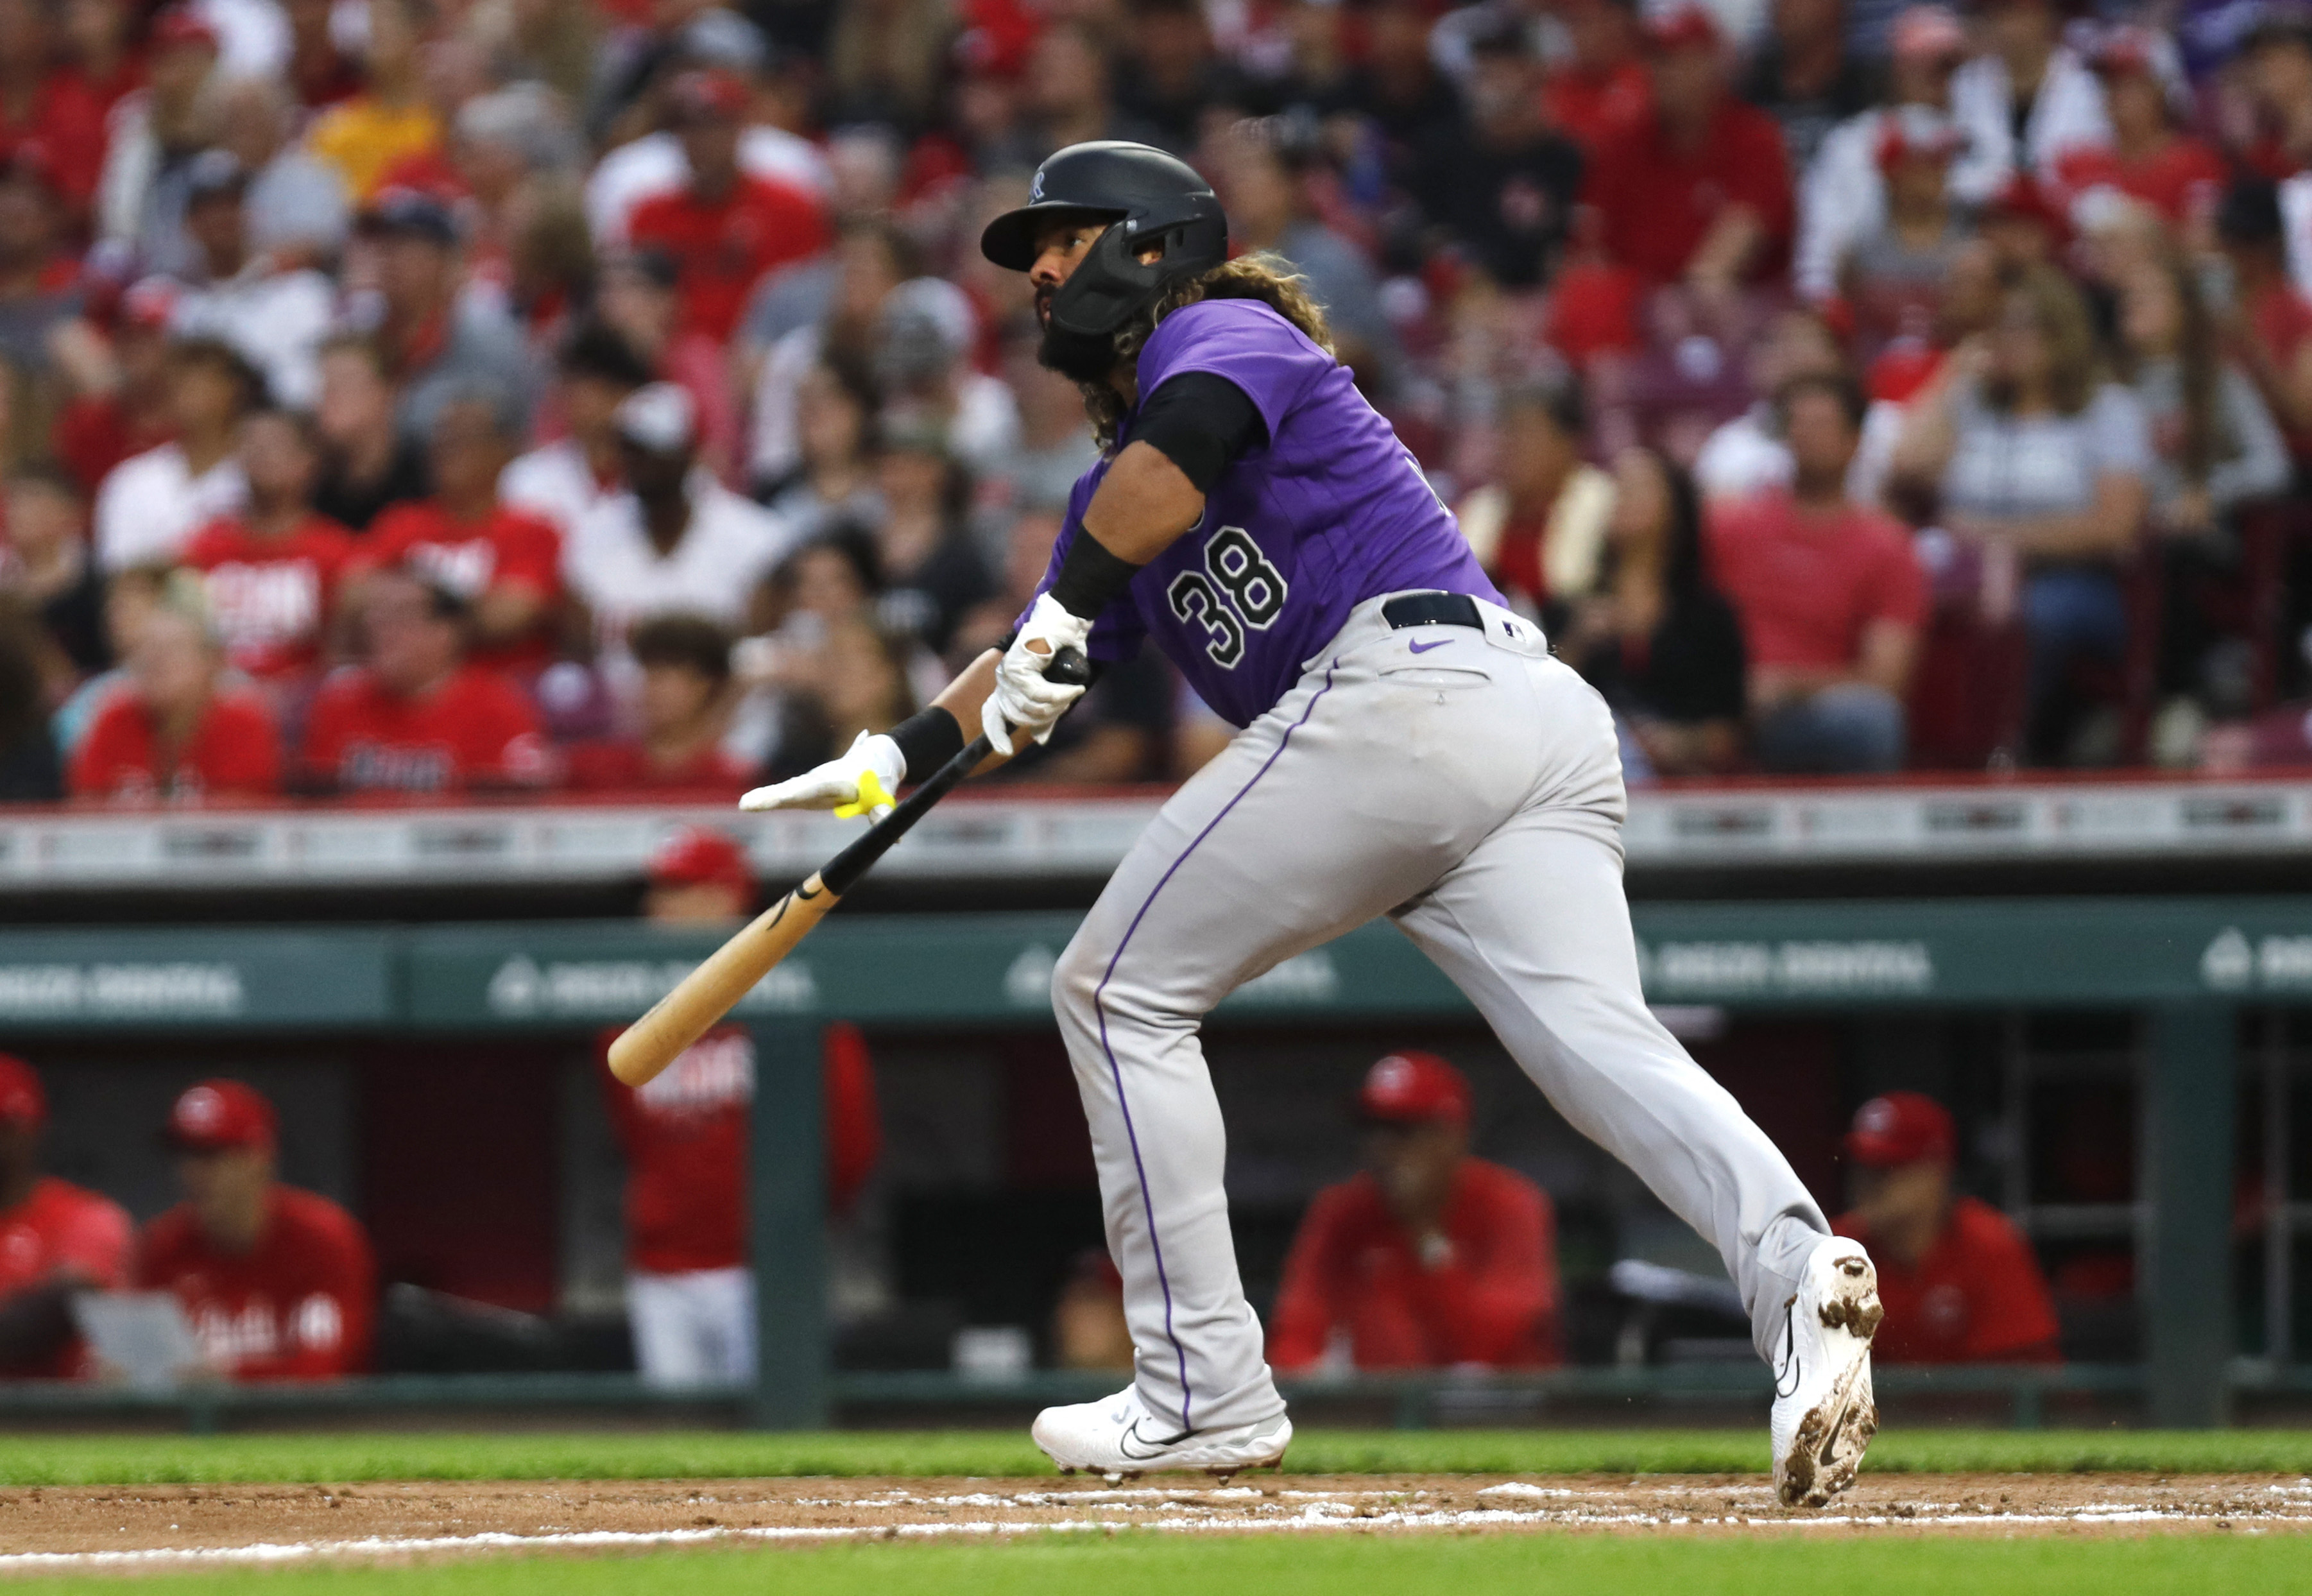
[61,1531]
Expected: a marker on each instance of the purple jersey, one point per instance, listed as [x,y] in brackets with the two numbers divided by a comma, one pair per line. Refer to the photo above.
[1298,531]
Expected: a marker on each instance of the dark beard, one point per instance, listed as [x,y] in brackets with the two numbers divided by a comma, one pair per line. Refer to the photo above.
[1081,357]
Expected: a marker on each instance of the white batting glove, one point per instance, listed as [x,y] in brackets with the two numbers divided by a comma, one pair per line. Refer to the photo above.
[860,780]
[1024,701]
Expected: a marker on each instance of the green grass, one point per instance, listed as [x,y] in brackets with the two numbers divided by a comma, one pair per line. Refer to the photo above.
[254,1459]
[1142,1564]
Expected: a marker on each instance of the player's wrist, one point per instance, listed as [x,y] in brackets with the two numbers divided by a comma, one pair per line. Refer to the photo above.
[926,740]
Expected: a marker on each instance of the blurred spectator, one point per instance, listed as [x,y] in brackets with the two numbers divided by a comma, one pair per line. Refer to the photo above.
[320,71]
[1807,77]
[1429,1259]
[416,717]
[152,136]
[173,731]
[431,338]
[2150,158]
[151,502]
[675,542]
[683,707]
[369,462]
[97,43]
[1653,636]
[1831,597]
[29,772]
[564,481]
[1501,183]
[39,279]
[1070,91]
[120,403]
[872,261]
[835,480]
[923,340]
[45,114]
[2028,95]
[1055,446]
[1118,730]
[295,207]
[46,563]
[1599,89]
[1265,182]
[2213,443]
[279,1282]
[2276,58]
[2268,322]
[1701,191]
[56,1239]
[1540,531]
[275,310]
[883,59]
[1748,455]
[690,1295]
[1844,196]
[1172,78]
[725,229]
[2042,462]
[273,573]
[852,680]
[931,572]
[504,563]
[1957,1279]
[1891,279]
[366,135]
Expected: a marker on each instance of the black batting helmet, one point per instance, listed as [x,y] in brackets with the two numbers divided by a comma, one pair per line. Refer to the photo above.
[1151,197]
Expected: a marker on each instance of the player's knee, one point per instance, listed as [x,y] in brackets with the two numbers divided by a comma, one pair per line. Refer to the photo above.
[1075,985]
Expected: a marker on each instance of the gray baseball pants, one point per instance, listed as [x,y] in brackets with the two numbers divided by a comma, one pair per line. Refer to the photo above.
[1469,788]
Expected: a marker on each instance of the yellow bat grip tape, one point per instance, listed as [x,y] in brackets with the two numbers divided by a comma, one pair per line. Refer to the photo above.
[871,797]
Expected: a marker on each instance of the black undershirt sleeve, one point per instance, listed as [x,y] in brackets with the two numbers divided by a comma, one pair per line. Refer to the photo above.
[1200,422]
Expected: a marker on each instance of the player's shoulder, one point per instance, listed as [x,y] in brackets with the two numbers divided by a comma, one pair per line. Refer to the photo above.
[59,1201]
[1230,325]
[311,1218]
[1499,1186]
[1980,1227]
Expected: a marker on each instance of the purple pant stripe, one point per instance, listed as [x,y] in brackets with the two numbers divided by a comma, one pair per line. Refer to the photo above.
[1115,1072]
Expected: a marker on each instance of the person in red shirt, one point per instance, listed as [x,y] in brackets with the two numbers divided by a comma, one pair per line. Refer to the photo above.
[43,108]
[684,702]
[690,1294]
[279,1283]
[2150,159]
[1430,1258]
[1699,190]
[119,384]
[504,562]
[727,228]
[272,572]
[1600,90]
[2269,329]
[174,731]
[56,1239]
[1957,1279]
[418,718]
[1830,594]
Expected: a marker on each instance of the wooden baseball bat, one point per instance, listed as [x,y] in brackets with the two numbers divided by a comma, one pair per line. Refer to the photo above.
[710,991]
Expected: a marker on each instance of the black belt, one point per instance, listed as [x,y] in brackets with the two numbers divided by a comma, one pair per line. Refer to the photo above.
[1433,610]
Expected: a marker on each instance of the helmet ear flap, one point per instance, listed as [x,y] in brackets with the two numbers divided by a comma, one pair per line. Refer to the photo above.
[1108,286]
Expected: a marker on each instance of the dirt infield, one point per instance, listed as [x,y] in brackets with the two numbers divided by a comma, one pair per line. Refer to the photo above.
[52,1531]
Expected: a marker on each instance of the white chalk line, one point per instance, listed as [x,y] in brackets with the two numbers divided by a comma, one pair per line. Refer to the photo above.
[1323,1514]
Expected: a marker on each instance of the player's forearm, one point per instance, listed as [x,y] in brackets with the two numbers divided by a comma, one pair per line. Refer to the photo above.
[968,694]
[1143,503]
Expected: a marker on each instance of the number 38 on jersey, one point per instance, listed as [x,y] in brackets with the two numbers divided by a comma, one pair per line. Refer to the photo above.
[1236,591]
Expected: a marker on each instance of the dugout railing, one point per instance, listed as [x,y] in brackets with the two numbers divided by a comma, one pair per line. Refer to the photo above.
[2190,967]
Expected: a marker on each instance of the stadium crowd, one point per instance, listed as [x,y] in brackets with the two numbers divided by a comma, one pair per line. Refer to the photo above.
[420,396]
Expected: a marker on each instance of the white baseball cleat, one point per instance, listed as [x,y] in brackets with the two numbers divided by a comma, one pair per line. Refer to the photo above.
[1120,1438]
[1824,1413]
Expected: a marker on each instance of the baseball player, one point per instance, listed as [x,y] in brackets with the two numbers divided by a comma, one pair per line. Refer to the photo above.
[1409,748]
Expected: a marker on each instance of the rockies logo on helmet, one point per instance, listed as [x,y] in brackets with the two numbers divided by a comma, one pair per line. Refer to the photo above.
[1147,196]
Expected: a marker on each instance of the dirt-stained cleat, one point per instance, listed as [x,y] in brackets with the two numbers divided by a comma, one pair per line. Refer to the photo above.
[1120,1438]
[1824,1413]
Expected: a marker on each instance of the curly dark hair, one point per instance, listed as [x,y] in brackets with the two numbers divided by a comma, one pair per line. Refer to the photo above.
[1265,277]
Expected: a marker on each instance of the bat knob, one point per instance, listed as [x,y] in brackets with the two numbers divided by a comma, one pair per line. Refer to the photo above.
[1070,668]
